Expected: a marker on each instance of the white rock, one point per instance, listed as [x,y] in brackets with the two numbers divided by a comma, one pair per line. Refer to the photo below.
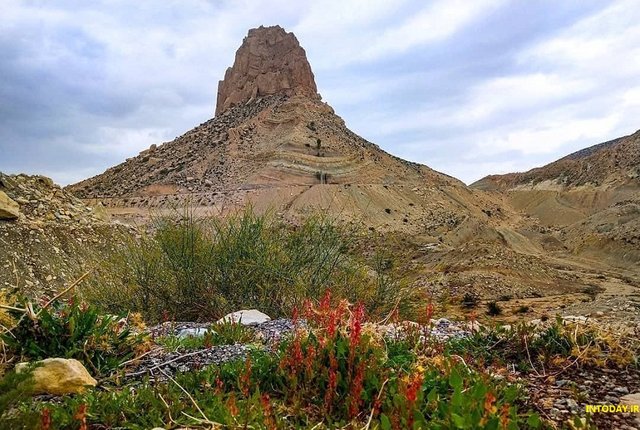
[193,332]
[246,317]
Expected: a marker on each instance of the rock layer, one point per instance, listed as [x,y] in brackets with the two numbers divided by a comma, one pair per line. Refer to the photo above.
[269,62]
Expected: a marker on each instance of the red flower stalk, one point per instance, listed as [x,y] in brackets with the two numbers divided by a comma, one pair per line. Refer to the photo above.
[231,405]
[218,386]
[269,418]
[309,359]
[294,356]
[355,399]
[429,312]
[411,390]
[355,325]
[81,415]
[245,378]
[333,382]
[45,419]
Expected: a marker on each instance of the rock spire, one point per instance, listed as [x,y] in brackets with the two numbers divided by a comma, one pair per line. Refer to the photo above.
[269,61]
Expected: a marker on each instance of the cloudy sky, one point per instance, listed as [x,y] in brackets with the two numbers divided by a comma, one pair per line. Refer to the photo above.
[467,87]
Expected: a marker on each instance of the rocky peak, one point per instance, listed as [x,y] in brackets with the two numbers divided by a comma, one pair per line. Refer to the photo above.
[269,61]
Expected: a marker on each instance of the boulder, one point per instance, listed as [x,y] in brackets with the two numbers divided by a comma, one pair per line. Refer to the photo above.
[245,317]
[8,208]
[58,376]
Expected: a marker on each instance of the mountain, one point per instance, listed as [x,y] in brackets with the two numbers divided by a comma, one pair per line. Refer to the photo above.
[52,238]
[274,143]
[592,198]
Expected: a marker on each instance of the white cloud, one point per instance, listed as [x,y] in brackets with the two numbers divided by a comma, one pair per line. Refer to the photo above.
[435,22]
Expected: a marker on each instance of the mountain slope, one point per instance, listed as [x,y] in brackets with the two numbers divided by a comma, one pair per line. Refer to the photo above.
[276,145]
[592,198]
[611,164]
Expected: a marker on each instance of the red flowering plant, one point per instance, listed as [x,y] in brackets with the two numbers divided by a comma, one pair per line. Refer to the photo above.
[333,361]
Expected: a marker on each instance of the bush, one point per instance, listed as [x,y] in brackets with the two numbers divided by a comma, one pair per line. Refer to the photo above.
[470,301]
[199,269]
[494,309]
[71,329]
[553,347]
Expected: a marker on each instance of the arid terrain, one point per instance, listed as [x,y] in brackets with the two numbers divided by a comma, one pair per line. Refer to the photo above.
[552,239]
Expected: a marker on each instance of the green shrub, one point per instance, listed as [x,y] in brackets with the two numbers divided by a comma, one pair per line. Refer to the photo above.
[71,329]
[470,301]
[559,344]
[200,268]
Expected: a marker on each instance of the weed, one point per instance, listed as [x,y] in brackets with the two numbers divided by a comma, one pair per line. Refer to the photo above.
[223,333]
[470,301]
[336,374]
[72,329]
[201,268]
[494,309]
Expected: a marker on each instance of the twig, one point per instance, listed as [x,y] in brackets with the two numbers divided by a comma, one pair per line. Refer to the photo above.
[63,292]
[138,357]
[462,360]
[366,427]
[207,420]
[529,357]
[572,363]
[391,313]
[168,408]
[12,308]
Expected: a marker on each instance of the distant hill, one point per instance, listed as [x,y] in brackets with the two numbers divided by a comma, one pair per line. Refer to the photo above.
[610,164]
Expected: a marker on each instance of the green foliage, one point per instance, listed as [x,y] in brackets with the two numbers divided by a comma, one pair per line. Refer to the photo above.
[200,268]
[335,375]
[526,346]
[230,332]
[71,329]
[14,388]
